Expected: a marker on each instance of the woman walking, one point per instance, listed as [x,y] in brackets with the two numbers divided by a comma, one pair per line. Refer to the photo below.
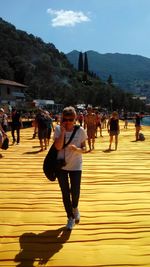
[69,177]
[113,129]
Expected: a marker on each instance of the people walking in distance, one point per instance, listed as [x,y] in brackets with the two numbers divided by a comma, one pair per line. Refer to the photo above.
[113,129]
[90,124]
[137,126]
[58,118]
[125,120]
[34,125]
[69,177]
[41,122]
[3,119]
[104,121]
[80,118]
[3,135]
[16,125]
[98,124]
[50,126]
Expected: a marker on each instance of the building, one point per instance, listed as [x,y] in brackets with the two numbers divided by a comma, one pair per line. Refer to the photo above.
[48,104]
[11,92]
[142,98]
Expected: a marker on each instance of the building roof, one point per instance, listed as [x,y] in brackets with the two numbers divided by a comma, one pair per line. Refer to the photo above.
[12,83]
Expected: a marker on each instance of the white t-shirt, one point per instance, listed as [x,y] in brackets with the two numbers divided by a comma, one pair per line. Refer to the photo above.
[1,138]
[73,158]
[3,119]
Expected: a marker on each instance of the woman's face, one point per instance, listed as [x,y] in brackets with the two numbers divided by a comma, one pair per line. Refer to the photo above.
[68,121]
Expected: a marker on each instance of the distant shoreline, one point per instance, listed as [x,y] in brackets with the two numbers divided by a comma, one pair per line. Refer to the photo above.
[144,122]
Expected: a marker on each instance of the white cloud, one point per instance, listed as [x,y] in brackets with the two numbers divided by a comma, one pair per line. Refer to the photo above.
[67,17]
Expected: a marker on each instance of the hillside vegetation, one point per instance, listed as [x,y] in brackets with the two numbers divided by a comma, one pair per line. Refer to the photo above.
[49,74]
[130,72]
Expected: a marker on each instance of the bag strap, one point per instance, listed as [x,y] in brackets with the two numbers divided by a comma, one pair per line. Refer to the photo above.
[76,127]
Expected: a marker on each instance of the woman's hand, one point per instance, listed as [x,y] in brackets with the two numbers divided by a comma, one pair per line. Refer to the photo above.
[73,147]
[77,149]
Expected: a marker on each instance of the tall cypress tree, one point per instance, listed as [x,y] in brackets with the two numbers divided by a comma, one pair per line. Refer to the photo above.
[80,62]
[86,68]
[110,80]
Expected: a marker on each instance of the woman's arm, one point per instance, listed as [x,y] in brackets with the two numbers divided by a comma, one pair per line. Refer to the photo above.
[21,123]
[2,131]
[108,125]
[59,141]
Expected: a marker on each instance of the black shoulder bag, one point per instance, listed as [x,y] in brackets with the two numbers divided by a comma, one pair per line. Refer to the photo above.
[51,165]
[5,144]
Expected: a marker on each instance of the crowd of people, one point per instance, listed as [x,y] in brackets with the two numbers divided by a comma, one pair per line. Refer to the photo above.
[91,121]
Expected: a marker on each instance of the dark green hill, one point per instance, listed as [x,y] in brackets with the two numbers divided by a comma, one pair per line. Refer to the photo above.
[27,59]
[48,73]
[128,71]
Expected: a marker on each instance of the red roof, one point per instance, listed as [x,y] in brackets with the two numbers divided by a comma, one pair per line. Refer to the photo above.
[12,83]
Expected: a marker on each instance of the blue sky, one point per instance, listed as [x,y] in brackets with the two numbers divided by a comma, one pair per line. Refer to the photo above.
[105,26]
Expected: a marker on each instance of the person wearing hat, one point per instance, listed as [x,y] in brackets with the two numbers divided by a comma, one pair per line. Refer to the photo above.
[3,119]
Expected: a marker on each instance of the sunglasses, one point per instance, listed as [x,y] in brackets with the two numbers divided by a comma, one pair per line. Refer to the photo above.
[65,119]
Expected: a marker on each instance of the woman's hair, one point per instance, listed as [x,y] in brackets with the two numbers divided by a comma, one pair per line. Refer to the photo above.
[69,111]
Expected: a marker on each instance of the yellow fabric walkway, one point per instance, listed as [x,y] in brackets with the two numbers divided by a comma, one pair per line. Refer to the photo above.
[115,207]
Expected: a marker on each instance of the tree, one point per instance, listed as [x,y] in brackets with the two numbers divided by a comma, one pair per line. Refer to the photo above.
[86,69]
[5,71]
[80,62]
[110,80]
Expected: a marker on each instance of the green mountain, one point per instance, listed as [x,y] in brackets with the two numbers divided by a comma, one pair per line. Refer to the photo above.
[48,73]
[27,59]
[130,72]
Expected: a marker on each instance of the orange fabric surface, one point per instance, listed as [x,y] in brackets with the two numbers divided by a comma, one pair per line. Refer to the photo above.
[114,205]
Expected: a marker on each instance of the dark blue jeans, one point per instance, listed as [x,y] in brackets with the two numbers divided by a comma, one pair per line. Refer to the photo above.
[17,129]
[69,182]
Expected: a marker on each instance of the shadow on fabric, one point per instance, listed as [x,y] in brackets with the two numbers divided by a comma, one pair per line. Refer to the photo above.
[41,247]
[33,152]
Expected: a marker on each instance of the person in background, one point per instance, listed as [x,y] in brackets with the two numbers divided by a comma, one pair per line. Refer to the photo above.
[125,120]
[69,177]
[137,126]
[90,122]
[34,125]
[41,124]
[50,126]
[113,129]
[80,118]
[98,124]
[104,121]
[16,125]
[3,135]
[4,119]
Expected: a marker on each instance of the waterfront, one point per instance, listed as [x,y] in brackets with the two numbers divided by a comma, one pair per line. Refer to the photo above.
[146,121]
